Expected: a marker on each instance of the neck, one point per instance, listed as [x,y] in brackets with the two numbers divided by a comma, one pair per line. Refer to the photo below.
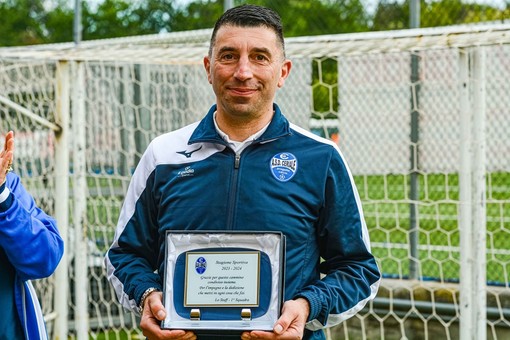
[240,128]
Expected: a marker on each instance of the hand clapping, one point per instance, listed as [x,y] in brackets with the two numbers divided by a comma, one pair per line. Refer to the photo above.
[6,156]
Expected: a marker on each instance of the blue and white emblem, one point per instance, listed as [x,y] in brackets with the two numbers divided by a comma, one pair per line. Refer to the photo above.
[283,166]
[200,265]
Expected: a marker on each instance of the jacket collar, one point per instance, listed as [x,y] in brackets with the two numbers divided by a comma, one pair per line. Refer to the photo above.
[206,131]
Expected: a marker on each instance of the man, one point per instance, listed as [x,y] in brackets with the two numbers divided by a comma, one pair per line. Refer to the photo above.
[225,173]
[30,248]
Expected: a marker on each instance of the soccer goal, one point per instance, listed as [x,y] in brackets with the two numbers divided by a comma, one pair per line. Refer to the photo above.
[422,117]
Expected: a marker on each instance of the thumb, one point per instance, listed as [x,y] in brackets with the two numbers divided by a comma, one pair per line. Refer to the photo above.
[294,314]
[278,328]
[156,306]
[282,324]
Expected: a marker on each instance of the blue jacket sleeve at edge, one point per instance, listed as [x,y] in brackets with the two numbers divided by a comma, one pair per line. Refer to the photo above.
[28,235]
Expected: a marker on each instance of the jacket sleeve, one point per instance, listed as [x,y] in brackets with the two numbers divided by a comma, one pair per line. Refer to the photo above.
[28,235]
[132,259]
[351,273]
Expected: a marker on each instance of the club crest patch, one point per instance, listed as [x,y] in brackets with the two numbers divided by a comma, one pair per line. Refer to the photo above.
[200,265]
[283,166]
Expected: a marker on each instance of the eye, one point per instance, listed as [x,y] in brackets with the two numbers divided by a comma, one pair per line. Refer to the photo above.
[261,57]
[227,57]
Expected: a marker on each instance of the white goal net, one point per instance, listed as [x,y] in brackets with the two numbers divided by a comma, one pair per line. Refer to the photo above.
[422,116]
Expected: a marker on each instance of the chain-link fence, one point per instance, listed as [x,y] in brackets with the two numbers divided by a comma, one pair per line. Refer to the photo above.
[421,116]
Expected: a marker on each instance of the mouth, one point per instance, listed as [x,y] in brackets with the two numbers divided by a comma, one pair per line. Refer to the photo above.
[242,91]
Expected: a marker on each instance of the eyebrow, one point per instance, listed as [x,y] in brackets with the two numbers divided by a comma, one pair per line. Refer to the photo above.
[257,49]
[226,49]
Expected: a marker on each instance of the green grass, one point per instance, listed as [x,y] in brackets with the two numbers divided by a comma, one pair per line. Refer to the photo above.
[117,335]
[386,204]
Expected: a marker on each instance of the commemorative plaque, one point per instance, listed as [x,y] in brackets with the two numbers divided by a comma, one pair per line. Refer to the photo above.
[223,283]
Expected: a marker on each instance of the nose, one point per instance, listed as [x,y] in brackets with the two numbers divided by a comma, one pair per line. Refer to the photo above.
[243,70]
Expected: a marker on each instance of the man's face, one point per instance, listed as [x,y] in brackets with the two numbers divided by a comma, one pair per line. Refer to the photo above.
[245,69]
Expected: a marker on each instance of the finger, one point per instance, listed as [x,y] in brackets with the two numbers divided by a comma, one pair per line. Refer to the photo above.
[169,334]
[189,336]
[6,158]
[150,326]
[176,334]
[9,157]
[9,141]
[294,314]
[283,323]
[9,144]
[7,153]
[155,304]
[5,165]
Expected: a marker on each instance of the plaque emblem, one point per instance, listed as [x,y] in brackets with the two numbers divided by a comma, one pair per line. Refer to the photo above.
[200,265]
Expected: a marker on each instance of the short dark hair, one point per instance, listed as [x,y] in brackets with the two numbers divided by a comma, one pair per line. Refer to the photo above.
[250,16]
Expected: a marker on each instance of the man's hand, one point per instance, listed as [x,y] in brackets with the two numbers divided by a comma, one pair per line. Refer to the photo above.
[6,156]
[290,325]
[152,315]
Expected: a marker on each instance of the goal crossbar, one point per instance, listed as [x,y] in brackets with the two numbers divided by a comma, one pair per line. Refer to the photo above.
[169,48]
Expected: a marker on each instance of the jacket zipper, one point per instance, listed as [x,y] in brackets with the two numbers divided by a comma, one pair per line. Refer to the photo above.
[233,192]
[237,160]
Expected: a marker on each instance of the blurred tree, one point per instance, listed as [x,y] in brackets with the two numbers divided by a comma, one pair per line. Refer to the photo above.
[393,14]
[454,12]
[111,18]
[315,17]
[27,22]
[20,22]
[322,16]
[197,15]
[119,18]
[58,23]
[154,16]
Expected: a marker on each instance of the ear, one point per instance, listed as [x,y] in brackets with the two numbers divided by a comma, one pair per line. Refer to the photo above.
[207,66]
[284,72]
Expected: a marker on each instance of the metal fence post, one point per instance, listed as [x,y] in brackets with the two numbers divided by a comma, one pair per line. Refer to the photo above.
[80,204]
[62,197]
[472,208]
[479,225]
[414,191]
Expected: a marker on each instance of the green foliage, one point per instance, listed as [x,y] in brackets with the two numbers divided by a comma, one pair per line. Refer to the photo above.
[59,24]
[394,14]
[325,88]
[322,17]
[20,22]
[113,18]
[457,12]
[391,15]
[197,15]
[26,22]
[315,17]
